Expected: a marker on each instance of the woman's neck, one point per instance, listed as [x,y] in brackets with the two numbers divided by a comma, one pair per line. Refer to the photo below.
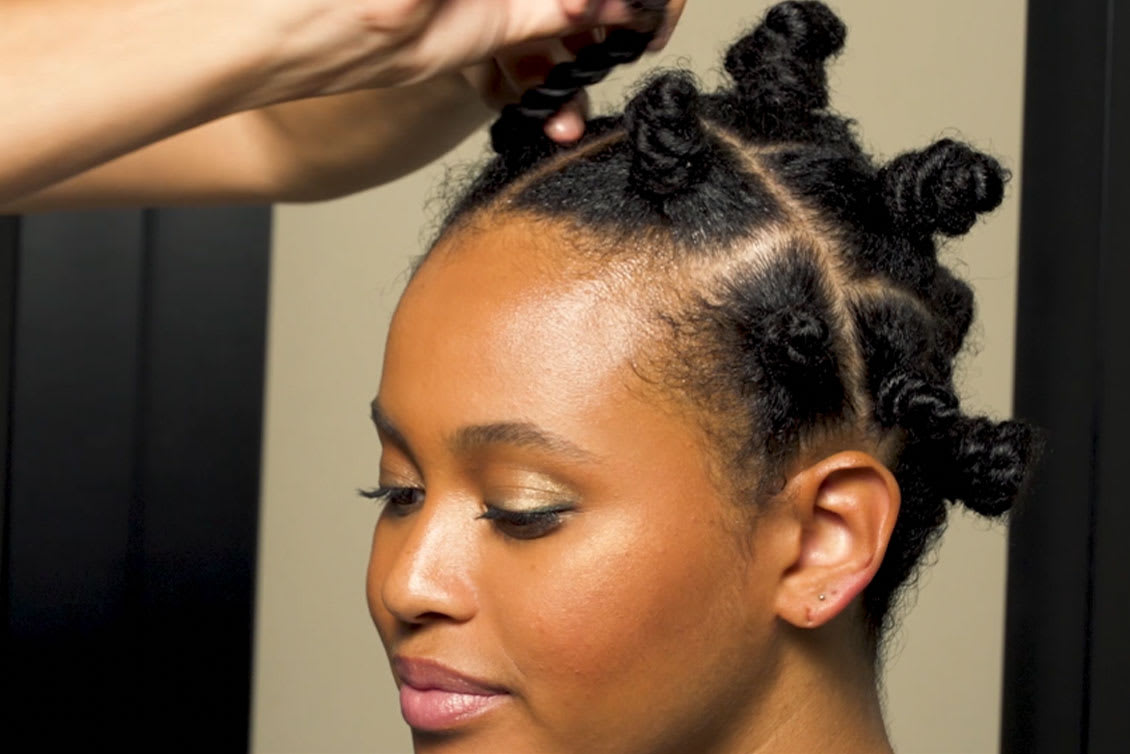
[825,699]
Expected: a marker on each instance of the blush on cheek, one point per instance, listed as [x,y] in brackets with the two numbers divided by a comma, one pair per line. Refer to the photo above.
[605,610]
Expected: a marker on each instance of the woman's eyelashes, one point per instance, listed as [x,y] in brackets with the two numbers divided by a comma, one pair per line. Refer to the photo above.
[528,523]
[399,501]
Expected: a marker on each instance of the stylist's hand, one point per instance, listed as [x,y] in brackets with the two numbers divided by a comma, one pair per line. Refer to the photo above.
[329,46]
[187,80]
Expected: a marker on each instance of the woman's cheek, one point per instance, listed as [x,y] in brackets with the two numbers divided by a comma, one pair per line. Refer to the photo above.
[595,610]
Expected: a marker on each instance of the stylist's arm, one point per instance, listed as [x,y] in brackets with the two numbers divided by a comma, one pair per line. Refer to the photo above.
[86,83]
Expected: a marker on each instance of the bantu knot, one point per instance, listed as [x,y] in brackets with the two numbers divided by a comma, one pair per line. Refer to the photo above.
[992,462]
[797,343]
[778,69]
[669,143]
[941,188]
[783,319]
[921,407]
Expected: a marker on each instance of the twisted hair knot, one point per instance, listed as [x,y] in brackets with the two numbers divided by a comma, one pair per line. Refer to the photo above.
[797,347]
[920,406]
[669,142]
[941,188]
[778,70]
[991,460]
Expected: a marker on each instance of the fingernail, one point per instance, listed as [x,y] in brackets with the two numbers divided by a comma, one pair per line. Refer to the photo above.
[564,128]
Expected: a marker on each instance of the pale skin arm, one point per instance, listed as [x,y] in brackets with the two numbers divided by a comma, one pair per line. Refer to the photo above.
[78,94]
[305,150]
[87,81]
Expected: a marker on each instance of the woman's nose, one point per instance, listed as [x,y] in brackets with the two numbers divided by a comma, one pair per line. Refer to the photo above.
[430,574]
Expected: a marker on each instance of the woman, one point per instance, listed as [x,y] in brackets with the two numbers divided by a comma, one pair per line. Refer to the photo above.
[668,420]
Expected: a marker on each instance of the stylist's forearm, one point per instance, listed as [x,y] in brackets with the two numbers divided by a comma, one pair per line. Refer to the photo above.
[94,79]
[327,147]
[86,81]
[306,150]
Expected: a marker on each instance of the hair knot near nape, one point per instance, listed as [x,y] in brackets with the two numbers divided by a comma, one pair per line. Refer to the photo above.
[825,311]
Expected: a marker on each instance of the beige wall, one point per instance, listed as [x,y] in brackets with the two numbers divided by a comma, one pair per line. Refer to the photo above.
[912,71]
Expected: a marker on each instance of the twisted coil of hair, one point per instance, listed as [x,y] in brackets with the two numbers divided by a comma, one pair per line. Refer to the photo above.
[974,460]
[518,134]
[993,458]
[941,189]
[926,408]
[669,142]
[778,70]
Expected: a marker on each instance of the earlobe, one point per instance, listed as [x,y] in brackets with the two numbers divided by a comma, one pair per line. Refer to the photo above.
[845,508]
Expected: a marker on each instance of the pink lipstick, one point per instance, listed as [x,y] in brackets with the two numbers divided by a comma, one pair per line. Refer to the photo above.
[436,698]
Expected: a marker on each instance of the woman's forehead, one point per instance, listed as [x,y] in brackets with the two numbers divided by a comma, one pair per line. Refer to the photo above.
[504,316]
[521,278]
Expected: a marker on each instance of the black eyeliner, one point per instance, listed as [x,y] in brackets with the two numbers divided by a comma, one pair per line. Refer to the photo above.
[523,517]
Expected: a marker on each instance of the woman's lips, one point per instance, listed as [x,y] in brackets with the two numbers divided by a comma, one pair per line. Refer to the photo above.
[434,697]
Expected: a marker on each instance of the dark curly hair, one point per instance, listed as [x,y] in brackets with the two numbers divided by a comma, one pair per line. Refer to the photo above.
[826,311]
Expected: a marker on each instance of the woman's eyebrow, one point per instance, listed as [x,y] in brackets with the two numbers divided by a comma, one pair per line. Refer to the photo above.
[386,428]
[522,434]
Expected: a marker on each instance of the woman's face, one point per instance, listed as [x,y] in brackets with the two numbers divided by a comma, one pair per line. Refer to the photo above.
[566,578]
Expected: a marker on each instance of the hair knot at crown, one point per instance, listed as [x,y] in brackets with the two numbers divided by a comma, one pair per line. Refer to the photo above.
[810,29]
[669,143]
[941,188]
[778,69]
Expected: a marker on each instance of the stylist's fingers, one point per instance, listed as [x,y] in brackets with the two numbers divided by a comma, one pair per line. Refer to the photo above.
[520,21]
[674,12]
[568,125]
[597,11]
[492,86]
[574,43]
[526,66]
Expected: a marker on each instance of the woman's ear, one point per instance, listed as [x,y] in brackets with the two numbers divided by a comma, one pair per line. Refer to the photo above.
[844,508]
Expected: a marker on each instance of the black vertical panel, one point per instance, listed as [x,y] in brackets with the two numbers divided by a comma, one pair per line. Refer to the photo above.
[199,470]
[1109,723]
[1067,608]
[9,254]
[136,412]
[71,477]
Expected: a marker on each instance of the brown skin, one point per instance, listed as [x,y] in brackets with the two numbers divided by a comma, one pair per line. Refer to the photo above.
[656,615]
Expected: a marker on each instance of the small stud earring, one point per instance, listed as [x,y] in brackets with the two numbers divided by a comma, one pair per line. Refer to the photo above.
[821,598]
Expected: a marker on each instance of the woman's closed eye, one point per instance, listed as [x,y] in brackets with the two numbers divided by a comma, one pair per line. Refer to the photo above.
[529,523]
[400,501]
[526,524]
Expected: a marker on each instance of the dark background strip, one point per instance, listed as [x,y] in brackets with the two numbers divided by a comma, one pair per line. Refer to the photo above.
[135,410]
[1066,664]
